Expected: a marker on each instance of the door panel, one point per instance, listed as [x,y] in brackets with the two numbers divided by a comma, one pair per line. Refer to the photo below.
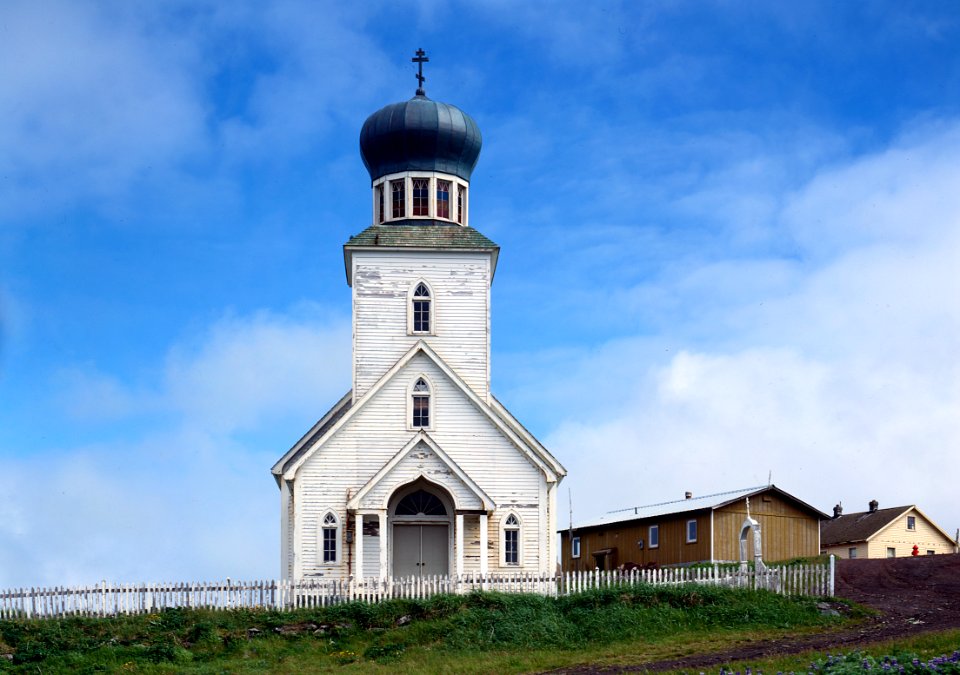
[406,550]
[434,550]
[420,550]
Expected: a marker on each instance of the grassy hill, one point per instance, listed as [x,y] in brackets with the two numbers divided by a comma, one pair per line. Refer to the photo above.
[480,632]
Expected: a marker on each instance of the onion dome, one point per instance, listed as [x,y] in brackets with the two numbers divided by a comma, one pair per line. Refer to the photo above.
[420,135]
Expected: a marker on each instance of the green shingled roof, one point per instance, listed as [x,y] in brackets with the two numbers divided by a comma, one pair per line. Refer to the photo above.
[425,234]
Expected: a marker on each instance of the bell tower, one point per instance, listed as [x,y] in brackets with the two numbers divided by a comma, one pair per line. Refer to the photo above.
[420,271]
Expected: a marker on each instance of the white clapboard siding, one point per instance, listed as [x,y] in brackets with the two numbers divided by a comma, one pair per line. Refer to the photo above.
[460,282]
[106,599]
[376,433]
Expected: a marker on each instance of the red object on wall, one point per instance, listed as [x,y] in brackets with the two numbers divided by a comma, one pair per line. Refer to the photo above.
[916,550]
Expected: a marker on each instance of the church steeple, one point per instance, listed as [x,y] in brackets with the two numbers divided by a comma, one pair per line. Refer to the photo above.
[420,155]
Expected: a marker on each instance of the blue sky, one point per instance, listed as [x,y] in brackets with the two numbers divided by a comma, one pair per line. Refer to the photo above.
[729,233]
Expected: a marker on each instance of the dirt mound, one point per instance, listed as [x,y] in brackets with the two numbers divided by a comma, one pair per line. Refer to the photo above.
[913,595]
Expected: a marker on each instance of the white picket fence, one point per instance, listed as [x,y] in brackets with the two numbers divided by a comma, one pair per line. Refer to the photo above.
[107,599]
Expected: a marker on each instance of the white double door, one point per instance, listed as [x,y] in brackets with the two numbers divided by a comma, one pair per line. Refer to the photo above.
[421,550]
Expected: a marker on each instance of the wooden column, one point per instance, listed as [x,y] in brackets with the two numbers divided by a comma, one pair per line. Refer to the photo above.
[483,544]
[383,544]
[458,531]
[358,548]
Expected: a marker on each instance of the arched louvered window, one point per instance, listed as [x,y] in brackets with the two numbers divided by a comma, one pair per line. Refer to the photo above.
[421,404]
[329,537]
[421,503]
[420,309]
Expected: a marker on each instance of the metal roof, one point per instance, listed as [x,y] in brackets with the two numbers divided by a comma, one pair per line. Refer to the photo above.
[711,501]
[420,135]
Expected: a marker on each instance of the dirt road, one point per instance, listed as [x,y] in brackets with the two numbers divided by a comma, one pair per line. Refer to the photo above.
[913,595]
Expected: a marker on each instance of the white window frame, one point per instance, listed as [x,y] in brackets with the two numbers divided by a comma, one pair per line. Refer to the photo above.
[574,547]
[653,541]
[433,308]
[912,523]
[696,531]
[432,177]
[322,525]
[891,552]
[518,528]
[431,403]
[852,552]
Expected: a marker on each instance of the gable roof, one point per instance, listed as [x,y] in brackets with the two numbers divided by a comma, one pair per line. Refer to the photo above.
[536,454]
[680,506]
[419,235]
[423,437]
[329,418]
[863,526]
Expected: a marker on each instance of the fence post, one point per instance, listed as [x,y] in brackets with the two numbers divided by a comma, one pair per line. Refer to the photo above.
[833,575]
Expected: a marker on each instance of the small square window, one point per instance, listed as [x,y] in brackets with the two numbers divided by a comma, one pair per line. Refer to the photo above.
[575,547]
[852,552]
[653,535]
[691,531]
[891,552]
[929,552]
[911,522]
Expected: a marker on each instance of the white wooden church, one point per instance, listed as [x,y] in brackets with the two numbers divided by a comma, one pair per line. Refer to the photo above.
[418,469]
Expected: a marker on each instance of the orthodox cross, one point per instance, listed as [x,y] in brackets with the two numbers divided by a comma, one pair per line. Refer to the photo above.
[420,58]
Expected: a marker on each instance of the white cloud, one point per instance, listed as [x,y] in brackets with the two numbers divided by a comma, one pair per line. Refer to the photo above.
[193,476]
[840,375]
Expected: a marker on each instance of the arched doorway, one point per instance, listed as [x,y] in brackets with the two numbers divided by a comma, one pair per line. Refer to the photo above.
[421,518]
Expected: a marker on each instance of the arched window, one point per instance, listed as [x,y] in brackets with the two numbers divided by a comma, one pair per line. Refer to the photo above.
[420,309]
[421,404]
[329,537]
[511,540]
[421,503]
[397,205]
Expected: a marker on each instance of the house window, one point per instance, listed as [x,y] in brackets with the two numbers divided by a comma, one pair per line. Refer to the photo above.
[421,404]
[380,213]
[653,536]
[891,552]
[691,531]
[852,552]
[511,540]
[929,552]
[329,536]
[397,199]
[911,522]
[421,196]
[461,203]
[443,199]
[421,308]
[575,547]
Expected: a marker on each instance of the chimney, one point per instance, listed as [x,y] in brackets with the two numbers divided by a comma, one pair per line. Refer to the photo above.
[688,495]
[838,510]
[874,505]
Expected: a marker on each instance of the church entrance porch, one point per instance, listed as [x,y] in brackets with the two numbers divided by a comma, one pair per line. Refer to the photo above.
[420,550]
[421,522]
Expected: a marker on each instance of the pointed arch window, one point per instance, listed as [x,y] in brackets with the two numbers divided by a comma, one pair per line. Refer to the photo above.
[461,203]
[443,199]
[421,196]
[380,213]
[420,309]
[511,540]
[397,202]
[421,404]
[329,537]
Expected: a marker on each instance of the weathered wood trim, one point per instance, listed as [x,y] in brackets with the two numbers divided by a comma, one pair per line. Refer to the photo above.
[423,437]
[277,468]
[488,411]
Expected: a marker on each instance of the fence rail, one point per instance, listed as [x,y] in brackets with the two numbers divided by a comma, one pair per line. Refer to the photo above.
[107,599]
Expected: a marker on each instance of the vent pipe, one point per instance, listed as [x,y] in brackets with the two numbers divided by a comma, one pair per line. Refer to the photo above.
[874,505]
[688,495]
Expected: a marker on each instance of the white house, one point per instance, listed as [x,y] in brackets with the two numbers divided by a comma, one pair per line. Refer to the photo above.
[418,469]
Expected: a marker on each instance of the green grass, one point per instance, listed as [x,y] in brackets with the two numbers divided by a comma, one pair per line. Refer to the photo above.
[480,632]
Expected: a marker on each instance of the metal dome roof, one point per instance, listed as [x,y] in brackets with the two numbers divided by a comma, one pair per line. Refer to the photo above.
[420,135]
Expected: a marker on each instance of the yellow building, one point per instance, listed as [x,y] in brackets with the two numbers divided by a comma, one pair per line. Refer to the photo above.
[883,533]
